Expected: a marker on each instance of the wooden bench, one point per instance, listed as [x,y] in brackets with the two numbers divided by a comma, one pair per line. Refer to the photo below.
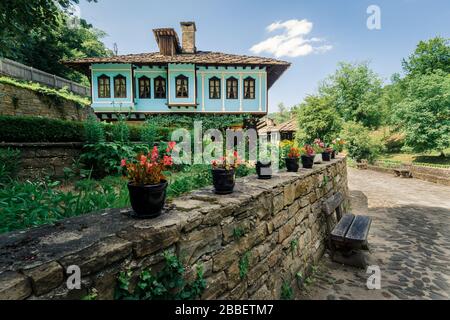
[349,236]
[403,172]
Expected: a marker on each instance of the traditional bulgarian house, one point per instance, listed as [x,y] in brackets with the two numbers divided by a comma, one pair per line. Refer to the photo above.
[179,79]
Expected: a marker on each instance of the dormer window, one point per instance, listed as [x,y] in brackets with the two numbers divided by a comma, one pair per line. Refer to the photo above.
[232,88]
[144,87]
[214,88]
[103,86]
[160,87]
[120,86]
[249,88]
[182,86]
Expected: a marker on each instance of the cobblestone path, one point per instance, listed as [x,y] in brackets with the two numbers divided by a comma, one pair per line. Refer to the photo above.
[409,240]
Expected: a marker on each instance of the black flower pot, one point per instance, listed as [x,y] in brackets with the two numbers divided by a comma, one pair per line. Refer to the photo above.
[223,180]
[326,156]
[292,164]
[265,169]
[147,201]
[333,154]
[307,161]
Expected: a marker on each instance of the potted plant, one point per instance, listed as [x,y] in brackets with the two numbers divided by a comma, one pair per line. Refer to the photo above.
[319,148]
[308,155]
[292,160]
[326,154]
[147,184]
[264,168]
[338,146]
[223,173]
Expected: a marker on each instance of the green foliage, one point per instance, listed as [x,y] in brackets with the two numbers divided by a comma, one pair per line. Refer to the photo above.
[9,164]
[167,284]
[93,130]
[317,118]
[244,263]
[359,142]
[41,33]
[28,204]
[354,90]
[238,233]
[120,131]
[209,121]
[286,291]
[58,95]
[150,133]
[293,246]
[35,129]
[424,113]
[429,56]
[104,157]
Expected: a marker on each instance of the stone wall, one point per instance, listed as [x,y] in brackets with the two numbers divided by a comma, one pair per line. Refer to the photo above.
[431,174]
[45,159]
[198,227]
[16,101]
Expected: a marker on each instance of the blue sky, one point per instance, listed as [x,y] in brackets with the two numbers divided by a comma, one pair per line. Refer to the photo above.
[336,30]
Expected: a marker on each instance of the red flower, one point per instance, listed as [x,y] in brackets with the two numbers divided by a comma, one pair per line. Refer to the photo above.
[143,159]
[123,162]
[155,153]
[167,160]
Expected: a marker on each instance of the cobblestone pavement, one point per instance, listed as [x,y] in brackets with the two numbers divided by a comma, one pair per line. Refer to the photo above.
[409,240]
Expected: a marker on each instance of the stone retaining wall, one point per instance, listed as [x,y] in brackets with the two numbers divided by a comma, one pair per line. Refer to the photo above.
[431,174]
[199,227]
[15,101]
[45,159]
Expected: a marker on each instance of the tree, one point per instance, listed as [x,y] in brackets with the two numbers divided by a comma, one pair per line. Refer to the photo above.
[428,57]
[354,90]
[424,113]
[360,143]
[282,115]
[317,119]
[38,33]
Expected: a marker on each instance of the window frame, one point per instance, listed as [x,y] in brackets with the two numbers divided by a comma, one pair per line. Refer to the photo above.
[181,77]
[120,77]
[229,84]
[247,81]
[144,78]
[156,92]
[218,88]
[107,83]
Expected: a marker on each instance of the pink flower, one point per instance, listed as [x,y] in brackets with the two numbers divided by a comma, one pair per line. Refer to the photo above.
[123,162]
[155,153]
[167,160]
[172,144]
[143,159]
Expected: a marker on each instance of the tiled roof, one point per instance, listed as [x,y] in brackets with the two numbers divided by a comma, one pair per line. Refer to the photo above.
[290,125]
[274,67]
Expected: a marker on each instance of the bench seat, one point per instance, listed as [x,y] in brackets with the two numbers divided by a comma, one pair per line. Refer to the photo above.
[351,231]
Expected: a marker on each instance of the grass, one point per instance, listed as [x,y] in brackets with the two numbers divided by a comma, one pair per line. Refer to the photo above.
[47,91]
[430,159]
[25,204]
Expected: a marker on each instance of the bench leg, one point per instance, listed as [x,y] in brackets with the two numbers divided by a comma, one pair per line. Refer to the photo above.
[354,258]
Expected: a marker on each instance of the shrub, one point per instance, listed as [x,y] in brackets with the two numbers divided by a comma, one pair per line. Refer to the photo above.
[150,133]
[93,130]
[104,158]
[120,131]
[9,164]
[35,129]
[360,144]
[394,143]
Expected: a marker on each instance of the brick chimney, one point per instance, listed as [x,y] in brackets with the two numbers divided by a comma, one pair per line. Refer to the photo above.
[188,42]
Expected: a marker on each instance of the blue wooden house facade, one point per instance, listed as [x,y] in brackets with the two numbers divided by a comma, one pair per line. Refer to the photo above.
[179,79]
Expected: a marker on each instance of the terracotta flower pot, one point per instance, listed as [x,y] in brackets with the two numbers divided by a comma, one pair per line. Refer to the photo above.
[307,161]
[223,180]
[147,201]
[292,164]
[264,170]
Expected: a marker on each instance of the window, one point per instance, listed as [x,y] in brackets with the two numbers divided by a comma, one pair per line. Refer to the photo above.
[249,88]
[181,83]
[214,88]
[103,86]
[120,86]
[160,87]
[144,88]
[232,88]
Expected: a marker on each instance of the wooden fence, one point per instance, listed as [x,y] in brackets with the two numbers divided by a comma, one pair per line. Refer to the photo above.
[20,71]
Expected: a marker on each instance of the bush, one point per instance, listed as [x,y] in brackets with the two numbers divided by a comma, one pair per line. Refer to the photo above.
[9,164]
[93,130]
[104,158]
[120,131]
[150,133]
[35,129]
[360,143]
[394,143]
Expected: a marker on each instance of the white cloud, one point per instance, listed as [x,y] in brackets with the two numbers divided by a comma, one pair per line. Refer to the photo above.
[292,42]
